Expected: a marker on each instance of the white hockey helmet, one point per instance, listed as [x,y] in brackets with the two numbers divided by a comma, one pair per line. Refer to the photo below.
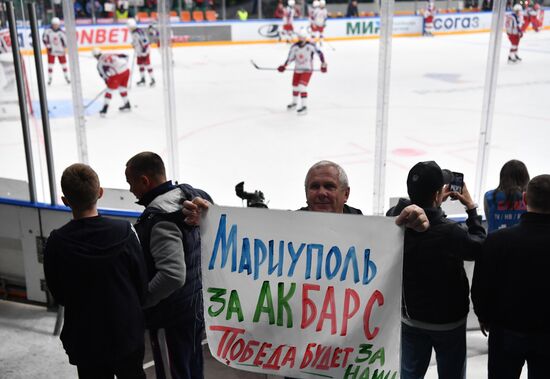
[56,21]
[322,3]
[315,3]
[291,3]
[96,52]
[302,34]
[131,24]
[517,8]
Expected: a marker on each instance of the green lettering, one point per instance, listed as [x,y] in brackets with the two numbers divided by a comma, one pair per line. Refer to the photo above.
[282,303]
[234,306]
[216,298]
[265,297]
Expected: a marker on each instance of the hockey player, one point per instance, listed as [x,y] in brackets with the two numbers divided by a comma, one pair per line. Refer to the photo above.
[288,20]
[5,42]
[428,15]
[113,69]
[514,24]
[55,41]
[532,14]
[142,51]
[319,21]
[153,34]
[302,53]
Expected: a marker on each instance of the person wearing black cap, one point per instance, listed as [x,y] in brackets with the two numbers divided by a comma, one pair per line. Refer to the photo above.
[435,302]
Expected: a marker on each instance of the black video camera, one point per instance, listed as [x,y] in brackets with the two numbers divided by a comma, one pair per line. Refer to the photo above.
[253,199]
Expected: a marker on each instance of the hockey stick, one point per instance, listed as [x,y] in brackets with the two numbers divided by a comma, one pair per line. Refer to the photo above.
[94,99]
[271,68]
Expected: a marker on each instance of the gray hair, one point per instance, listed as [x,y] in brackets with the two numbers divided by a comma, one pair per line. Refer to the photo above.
[342,176]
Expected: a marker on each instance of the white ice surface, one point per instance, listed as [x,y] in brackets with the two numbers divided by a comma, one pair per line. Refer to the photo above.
[233,124]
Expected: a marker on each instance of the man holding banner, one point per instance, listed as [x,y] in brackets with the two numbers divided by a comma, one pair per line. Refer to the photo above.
[435,302]
[173,303]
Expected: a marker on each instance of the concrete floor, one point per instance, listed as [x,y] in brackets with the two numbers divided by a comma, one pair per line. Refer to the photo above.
[29,350]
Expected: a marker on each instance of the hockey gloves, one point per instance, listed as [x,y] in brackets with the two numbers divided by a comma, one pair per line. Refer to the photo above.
[323,67]
[281,68]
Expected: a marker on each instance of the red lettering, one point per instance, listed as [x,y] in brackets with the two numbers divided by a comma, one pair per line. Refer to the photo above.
[290,356]
[261,354]
[308,355]
[113,35]
[233,355]
[248,351]
[347,352]
[318,352]
[335,357]
[325,361]
[100,35]
[379,298]
[234,332]
[309,310]
[350,294]
[329,302]
[124,34]
[273,361]
[86,36]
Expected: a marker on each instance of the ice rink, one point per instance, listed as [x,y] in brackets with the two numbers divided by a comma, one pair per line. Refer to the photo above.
[233,124]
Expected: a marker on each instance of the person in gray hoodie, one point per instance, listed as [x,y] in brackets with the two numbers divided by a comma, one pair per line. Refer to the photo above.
[172,253]
[95,268]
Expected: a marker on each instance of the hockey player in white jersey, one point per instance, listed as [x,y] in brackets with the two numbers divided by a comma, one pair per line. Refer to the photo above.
[113,69]
[142,50]
[319,20]
[5,41]
[514,29]
[302,54]
[55,41]
[288,21]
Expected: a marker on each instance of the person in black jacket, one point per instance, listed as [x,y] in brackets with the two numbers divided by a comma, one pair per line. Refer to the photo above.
[435,299]
[95,268]
[510,289]
[172,253]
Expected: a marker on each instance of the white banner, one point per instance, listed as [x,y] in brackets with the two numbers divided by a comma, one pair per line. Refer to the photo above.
[302,294]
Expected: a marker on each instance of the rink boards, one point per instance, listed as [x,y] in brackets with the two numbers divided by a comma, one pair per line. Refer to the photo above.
[266,31]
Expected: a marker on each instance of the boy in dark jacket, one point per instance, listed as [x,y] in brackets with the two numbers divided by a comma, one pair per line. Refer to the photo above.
[95,268]
[435,300]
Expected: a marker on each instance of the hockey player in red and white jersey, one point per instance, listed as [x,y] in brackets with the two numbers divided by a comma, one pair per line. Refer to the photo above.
[302,54]
[142,51]
[428,15]
[319,20]
[55,41]
[514,29]
[288,21]
[5,41]
[532,16]
[113,69]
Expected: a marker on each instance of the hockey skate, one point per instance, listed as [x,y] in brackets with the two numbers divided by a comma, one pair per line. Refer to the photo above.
[103,110]
[152,83]
[512,60]
[141,82]
[126,107]
[50,81]
[67,80]
[302,111]
[291,106]
[518,59]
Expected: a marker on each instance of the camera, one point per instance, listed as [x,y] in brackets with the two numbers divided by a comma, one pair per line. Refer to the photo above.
[254,199]
[456,183]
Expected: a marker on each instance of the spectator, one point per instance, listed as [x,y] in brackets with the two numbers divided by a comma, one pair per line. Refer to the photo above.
[97,8]
[122,11]
[435,301]
[242,14]
[487,5]
[327,190]
[279,10]
[95,268]
[172,253]
[504,205]
[510,286]
[353,9]
[79,10]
